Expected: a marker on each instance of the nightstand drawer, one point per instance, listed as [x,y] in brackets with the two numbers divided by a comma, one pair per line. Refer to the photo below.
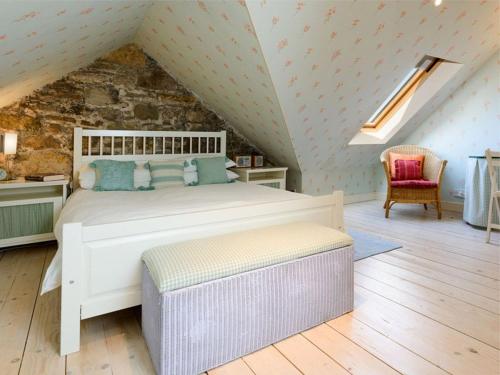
[26,220]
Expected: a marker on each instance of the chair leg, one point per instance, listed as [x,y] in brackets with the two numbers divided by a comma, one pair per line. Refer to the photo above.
[387,207]
[438,207]
[490,218]
[425,206]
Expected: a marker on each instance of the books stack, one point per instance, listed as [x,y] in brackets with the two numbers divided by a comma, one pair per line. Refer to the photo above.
[44,177]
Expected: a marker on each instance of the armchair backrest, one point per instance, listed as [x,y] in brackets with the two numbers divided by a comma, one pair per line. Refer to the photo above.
[432,163]
[493,158]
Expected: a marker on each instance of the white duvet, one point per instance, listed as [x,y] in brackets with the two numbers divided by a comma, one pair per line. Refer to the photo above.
[92,208]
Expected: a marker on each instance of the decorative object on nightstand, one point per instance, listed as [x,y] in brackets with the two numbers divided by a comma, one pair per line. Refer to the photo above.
[243,161]
[268,176]
[257,161]
[8,147]
[29,210]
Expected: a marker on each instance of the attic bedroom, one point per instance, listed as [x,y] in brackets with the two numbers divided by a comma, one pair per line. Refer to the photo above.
[249,187]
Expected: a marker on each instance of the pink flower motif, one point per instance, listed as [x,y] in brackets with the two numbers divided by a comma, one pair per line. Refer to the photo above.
[288,63]
[299,7]
[358,40]
[333,34]
[224,15]
[210,27]
[329,14]
[282,44]
[180,30]
[275,20]
[335,54]
[355,22]
[202,6]
[381,6]
[307,28]
[380,27]
[461,15]
[61,12]
[27,16]
[86,11]
[3,37]
[314,67]
[249,29]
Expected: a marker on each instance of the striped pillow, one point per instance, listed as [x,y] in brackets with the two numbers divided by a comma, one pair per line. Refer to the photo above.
[166,173]
[408,170]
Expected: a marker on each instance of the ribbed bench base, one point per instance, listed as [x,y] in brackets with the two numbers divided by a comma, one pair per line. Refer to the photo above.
[194,329]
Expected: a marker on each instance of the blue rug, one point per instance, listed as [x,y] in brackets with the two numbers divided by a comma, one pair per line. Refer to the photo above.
[366,245]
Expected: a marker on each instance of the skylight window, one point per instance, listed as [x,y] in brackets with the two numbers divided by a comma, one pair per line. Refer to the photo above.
[419,86]
[402,93]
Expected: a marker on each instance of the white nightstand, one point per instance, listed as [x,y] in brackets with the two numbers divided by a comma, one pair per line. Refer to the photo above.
[29,210]
[268,176]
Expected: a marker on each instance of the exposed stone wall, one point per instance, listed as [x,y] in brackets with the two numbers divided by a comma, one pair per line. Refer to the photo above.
[123,90]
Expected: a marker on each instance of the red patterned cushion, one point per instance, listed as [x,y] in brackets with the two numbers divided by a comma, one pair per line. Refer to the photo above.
[408,170]
[414,184]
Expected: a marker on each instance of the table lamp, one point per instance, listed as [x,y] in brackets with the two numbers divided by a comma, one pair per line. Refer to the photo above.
[8,146]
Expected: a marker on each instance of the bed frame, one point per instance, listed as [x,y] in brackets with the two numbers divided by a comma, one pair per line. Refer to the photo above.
[95,280]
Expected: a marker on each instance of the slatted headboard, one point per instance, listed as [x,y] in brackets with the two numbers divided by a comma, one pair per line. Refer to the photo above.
[138,145]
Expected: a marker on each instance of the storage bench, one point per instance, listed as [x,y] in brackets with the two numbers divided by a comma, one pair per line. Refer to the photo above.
[209,301]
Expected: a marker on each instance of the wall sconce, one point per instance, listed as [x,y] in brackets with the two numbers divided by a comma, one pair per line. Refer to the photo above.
[8,147]
[8,143]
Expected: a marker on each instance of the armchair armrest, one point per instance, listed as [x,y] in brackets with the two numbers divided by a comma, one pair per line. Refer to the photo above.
[387,170]
[441,171]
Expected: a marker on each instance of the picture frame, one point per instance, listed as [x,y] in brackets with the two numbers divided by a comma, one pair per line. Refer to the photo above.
[257,161]
[243,161]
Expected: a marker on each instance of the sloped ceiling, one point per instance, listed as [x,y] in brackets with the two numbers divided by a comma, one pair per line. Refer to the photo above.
[298,78]
[40,41]
[334,62]
[211,47]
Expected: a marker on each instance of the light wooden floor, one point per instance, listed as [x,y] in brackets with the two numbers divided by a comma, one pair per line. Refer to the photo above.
[431,307]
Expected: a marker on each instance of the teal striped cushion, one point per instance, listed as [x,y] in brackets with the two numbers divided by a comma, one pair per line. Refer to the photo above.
[166,173]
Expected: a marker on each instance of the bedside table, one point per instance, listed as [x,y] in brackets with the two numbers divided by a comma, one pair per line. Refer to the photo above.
[268,176]
[29,210]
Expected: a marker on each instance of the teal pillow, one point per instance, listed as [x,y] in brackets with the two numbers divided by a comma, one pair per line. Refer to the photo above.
[211,170]
[112,175]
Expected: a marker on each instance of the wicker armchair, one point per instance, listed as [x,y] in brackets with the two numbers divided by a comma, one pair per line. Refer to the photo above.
[433,169]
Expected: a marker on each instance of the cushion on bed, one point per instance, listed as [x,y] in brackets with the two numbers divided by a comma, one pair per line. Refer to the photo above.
[193,262]
[142,177]
[112,175]
[166,173]
[211,170]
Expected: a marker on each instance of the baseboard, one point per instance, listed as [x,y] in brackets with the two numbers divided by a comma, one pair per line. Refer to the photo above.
[452,206]
[356,198]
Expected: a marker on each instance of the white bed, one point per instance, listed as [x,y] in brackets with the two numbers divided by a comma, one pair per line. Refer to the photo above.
[102,235]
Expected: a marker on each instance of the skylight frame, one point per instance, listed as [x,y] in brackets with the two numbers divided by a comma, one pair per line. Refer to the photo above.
[403,92]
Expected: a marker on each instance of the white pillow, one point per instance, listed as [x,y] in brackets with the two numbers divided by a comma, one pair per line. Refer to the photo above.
[232,176]
[86,177]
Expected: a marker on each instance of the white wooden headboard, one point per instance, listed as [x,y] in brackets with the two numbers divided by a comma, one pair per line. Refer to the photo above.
[137,145]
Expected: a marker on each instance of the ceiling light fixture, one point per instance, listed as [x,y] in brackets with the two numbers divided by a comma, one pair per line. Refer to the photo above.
[437,2]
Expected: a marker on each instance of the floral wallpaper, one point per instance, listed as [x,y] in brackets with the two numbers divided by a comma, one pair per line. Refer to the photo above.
[334,62]
[467,123]
[42,41]
[211,47]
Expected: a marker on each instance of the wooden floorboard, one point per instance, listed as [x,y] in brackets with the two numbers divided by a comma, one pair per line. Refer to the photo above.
[431,307]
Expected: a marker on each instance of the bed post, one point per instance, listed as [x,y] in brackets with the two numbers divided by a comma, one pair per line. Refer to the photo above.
[338,210]
[223,142]
[77,155]
[71,287]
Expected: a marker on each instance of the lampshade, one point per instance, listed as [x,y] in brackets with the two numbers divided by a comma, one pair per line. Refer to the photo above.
[8,143]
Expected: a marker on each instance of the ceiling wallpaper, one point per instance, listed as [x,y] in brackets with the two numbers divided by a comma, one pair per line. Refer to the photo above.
[42,41]
[298,78]
[334,62]
[212,49]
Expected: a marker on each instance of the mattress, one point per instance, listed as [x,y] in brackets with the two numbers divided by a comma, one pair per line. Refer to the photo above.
[93,208]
